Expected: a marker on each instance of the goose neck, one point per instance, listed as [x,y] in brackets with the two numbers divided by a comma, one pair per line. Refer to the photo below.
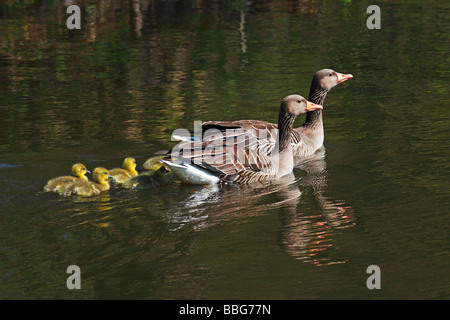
[314,118]
[285,125]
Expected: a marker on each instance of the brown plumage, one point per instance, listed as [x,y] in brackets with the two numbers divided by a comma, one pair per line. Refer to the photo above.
[228,157]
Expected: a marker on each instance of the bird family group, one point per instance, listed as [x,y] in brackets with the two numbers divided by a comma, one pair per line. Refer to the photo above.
[227,152]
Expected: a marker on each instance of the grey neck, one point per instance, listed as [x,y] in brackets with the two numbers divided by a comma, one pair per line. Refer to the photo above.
[314,118]
[285,125]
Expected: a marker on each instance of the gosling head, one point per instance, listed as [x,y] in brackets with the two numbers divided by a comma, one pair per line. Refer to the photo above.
[79,170]
[295,104]
[129,164]
[100,175]
[327,79]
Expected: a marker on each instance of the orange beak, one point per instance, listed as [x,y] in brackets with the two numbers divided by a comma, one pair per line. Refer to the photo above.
[312,106]
[343,77]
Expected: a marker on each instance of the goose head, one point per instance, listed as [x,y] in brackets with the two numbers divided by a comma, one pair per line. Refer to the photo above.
[327,79]
[100,175]
[79,171]
[295,104]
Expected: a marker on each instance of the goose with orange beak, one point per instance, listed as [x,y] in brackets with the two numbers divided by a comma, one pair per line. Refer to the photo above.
[306,139]
[230,162]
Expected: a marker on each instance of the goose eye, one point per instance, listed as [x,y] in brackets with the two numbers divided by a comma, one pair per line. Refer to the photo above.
[330,74]
[299,101]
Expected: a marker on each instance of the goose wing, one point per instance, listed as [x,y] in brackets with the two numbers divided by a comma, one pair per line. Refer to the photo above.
[232,160]
[260,136]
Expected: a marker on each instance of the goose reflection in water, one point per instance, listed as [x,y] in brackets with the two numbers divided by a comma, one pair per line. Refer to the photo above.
[307,236]
[303,235]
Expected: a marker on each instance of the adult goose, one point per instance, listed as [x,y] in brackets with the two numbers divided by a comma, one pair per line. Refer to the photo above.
[305,140]
[217,161]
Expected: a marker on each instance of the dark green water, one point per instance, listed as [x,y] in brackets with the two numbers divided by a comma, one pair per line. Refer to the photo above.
[137,70]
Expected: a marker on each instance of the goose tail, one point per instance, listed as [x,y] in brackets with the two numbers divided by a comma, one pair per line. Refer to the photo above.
[191,173]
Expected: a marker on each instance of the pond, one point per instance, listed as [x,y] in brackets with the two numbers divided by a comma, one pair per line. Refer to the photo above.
[377,194]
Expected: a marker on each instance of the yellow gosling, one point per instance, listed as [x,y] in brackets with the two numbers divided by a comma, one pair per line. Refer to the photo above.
[128,171]
[60,183]
[149,179]
[90,188]
[154,164]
